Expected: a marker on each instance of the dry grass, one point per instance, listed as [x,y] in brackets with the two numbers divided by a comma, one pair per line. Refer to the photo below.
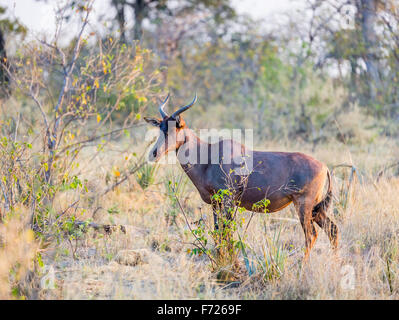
[151,261]
[17,251]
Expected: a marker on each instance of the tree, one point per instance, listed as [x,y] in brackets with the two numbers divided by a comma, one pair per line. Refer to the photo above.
[365,19]
[154,9]
[352,36]
[4,78]
[74,97]
[7,26]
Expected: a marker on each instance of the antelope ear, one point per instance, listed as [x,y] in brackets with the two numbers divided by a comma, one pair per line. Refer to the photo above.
[153,121]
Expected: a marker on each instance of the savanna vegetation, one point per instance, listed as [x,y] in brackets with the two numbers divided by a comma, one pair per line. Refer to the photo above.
[83,214]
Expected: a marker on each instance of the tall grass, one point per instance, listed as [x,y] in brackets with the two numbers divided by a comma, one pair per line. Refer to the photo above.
[18,249]
[273,257]
[270,264]
[145,176]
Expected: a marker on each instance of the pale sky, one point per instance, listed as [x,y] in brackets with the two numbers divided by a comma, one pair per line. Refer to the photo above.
[39,16]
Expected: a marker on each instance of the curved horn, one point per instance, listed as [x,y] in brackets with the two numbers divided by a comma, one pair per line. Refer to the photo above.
[182,109]
[162,105]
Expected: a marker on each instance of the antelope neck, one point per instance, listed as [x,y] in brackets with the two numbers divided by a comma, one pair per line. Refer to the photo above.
[191,141]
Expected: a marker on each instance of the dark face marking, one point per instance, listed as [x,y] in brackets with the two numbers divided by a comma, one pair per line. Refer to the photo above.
[164,126]
[167,130]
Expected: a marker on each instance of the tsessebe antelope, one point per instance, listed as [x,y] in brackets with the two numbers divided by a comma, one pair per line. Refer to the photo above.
[281,177]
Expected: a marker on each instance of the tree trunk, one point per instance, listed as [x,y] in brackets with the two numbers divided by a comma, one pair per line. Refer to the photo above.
[367,14]
[140,11]
[120,16]
[4,78]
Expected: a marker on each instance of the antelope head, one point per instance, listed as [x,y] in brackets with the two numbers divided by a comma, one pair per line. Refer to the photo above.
[171,135]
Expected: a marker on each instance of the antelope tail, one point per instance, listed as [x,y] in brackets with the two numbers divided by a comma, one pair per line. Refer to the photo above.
[324,204]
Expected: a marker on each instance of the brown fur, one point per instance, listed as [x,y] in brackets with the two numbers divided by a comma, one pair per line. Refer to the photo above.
[281,177]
